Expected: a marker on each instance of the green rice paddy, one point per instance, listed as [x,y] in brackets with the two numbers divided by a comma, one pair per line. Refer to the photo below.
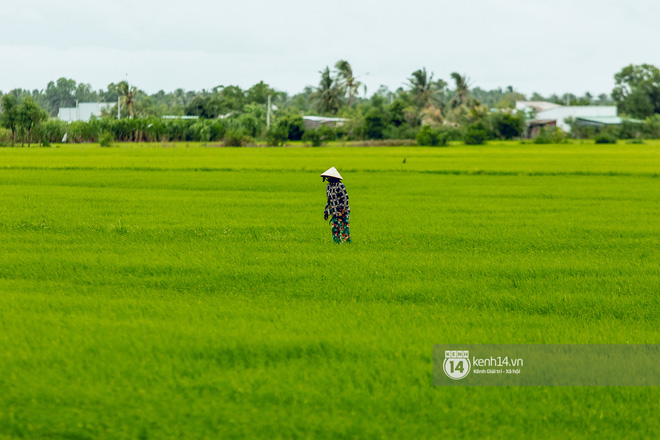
[195,292]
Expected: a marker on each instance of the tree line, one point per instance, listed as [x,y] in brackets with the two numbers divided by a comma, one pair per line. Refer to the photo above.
[338,88]
[450,109]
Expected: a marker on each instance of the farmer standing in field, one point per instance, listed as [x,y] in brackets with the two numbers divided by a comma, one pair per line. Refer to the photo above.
[337,206]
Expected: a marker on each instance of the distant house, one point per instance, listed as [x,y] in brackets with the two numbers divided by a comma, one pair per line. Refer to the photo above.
[536,126]
[83,111]
[594,112]
[549,114]
[317,121]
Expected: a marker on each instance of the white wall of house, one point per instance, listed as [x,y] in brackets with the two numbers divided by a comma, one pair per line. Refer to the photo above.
[575,111]
[83,112]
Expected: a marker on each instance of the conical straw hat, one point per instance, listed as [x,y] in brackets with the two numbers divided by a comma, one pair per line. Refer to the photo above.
[332,172]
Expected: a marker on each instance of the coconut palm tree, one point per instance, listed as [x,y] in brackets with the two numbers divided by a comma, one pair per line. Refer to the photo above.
[462,91]
[421,87]
[426,92]
[464,109]
[127,94]
[348,81]
[426,96]
[328,94]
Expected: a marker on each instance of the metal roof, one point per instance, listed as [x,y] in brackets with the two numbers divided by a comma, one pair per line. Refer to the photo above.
[605,120]
[536,105]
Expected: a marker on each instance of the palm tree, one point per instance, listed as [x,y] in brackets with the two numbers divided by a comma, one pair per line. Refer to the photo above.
[128,96]
[345,72]
[463,108]
[426,92]
[179,98]
[328,94]
[462,92]
[421,87]
[426,96]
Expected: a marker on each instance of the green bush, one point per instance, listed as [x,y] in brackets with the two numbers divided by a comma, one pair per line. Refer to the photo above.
[629,130]
[80,131]
[542,139]
[250,124]
[234,138]
[397,112]
[403,131]
[605,138]
[107,139]
[505,125]
[177,129]
[217,130]
[453,133]
[313,137]
[431,137]
[374,123]
[142,129]
[53,130]
[327,133]
[277,136]
[580,131]
[550,136]
[475,134]
[354,129]
[291,125]
[5,136]
[650,128]
[200,131]
[341,132]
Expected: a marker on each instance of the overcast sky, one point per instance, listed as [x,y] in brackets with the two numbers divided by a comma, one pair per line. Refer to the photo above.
[545,46]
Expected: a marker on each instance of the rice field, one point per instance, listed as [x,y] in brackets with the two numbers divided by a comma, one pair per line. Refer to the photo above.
[195,292]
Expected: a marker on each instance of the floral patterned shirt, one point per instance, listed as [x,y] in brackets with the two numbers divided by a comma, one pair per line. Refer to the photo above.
[337,199]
